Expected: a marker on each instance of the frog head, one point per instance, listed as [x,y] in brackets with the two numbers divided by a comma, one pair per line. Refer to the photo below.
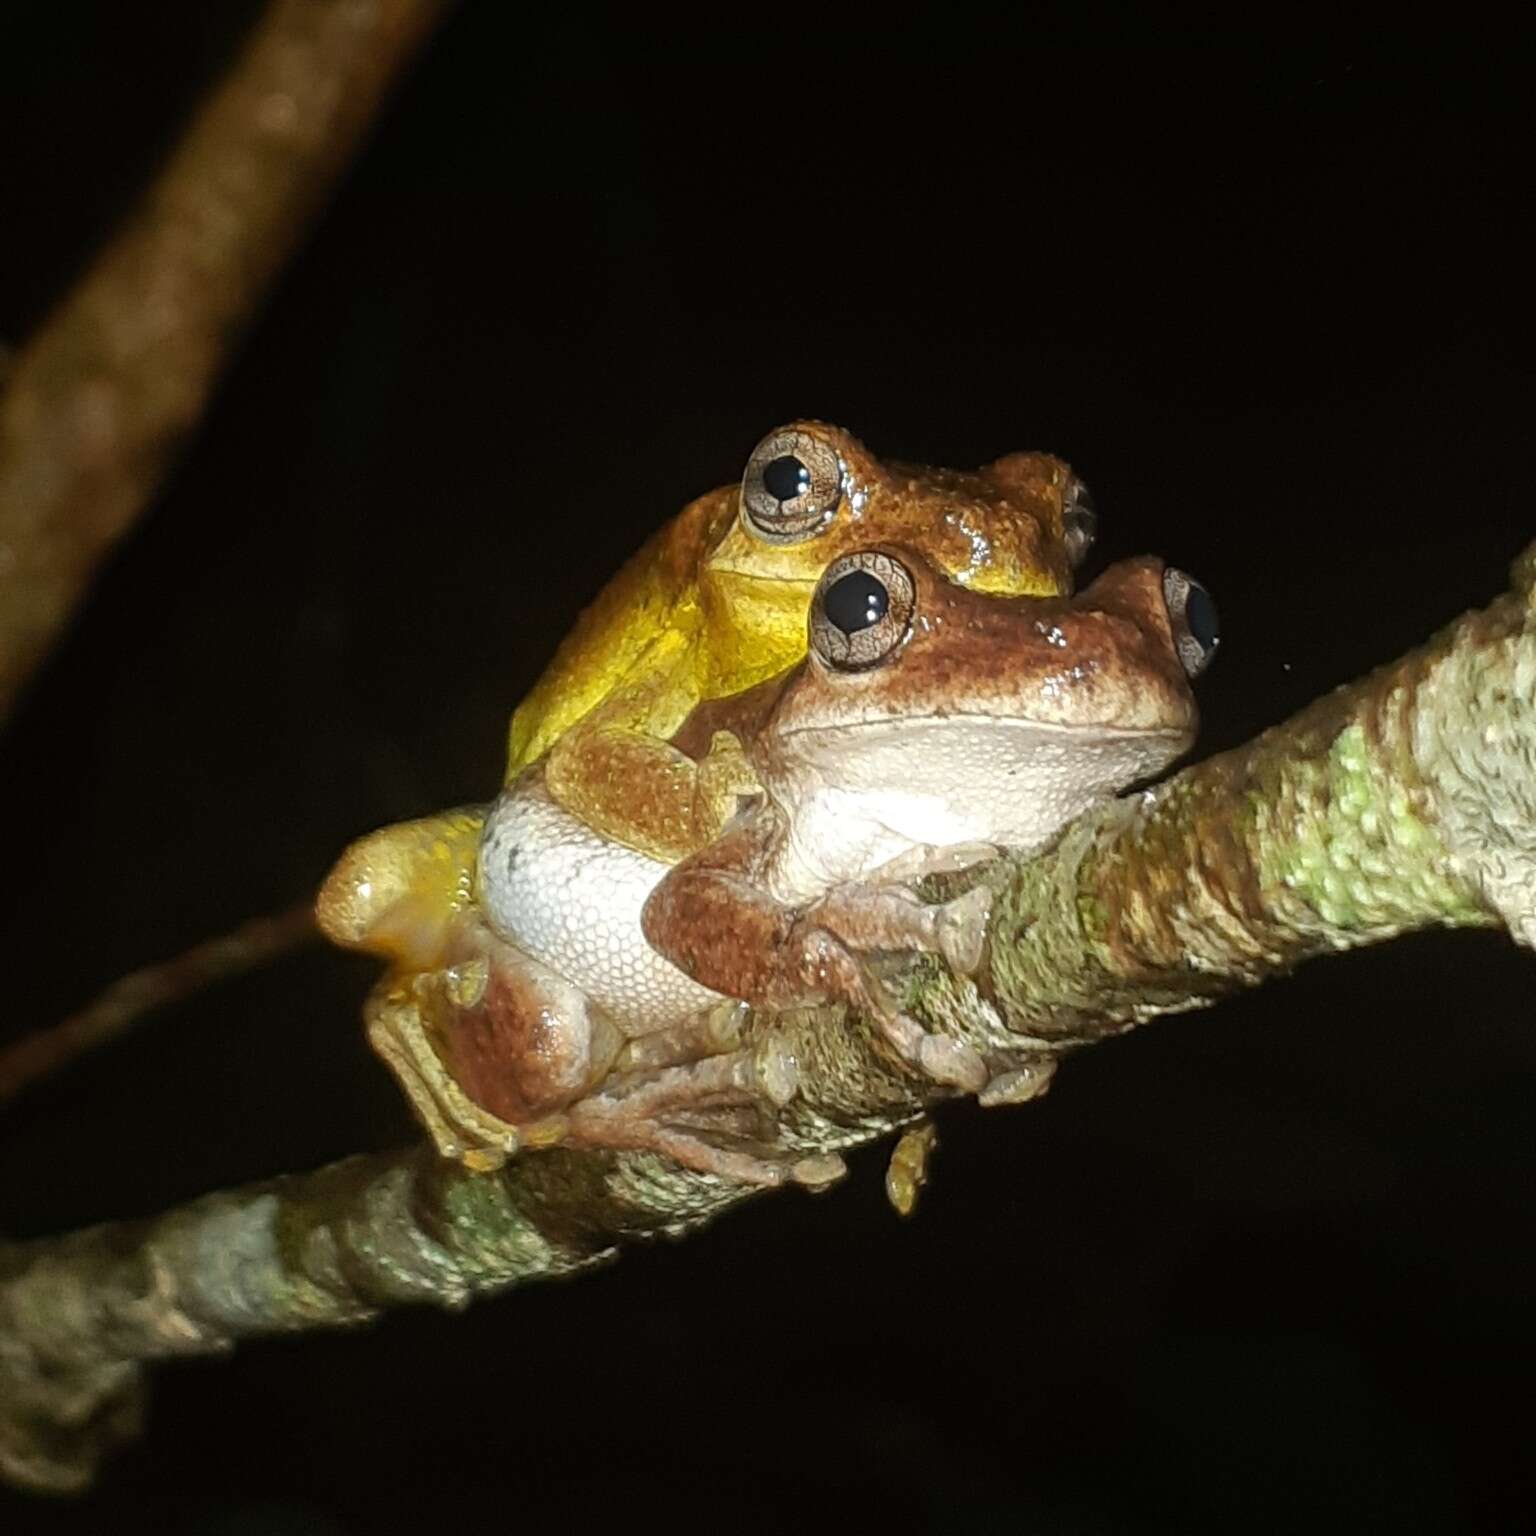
[927,715]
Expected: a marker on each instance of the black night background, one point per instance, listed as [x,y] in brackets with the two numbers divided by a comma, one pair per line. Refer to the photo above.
[1266,1268]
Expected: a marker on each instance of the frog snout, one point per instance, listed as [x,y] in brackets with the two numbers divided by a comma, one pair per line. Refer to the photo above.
[1162,602]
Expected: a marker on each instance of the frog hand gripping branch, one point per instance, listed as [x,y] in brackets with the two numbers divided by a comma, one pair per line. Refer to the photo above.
[713,604]
[928,725]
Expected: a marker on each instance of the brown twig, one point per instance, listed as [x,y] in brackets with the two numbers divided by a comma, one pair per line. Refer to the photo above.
[152,987]
[100,399]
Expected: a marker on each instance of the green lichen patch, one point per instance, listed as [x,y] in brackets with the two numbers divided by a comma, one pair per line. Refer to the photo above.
[1344,842]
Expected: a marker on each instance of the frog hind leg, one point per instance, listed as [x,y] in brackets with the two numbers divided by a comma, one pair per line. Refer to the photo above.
[460,1129]
[490,1048]
[467,1094]
[498,1054]
[399,892]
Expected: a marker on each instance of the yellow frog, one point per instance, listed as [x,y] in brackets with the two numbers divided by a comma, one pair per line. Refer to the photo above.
[716,602]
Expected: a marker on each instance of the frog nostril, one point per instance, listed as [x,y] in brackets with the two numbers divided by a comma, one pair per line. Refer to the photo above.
[1192,613]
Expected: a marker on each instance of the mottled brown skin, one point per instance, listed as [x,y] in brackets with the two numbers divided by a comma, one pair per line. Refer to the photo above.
[511,1050]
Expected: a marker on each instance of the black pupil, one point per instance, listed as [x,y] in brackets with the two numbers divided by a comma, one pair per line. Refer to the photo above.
[855,601]
[786,478]
[1200,616]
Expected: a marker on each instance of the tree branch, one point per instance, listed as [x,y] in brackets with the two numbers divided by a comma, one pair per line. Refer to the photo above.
[1404,801]
[125,1001]
[97,404]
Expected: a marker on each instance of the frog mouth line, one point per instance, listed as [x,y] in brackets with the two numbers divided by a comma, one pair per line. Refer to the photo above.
[808,582]
[1106,733]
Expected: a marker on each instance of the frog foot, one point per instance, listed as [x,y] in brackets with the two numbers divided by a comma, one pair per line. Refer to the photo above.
[825,962]
[639,1116]
[460,1129]
[895,918]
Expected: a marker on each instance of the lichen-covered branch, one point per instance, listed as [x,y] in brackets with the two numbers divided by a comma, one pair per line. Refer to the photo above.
[79,1316]
[1404,801]
[97,403]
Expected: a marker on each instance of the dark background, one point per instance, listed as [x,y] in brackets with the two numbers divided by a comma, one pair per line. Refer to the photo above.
[1265,1268]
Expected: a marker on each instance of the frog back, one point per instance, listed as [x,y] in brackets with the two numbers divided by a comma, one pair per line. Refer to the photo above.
[647,619]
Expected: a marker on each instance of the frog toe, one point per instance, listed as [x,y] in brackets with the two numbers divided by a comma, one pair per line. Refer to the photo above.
[1020,1085]
[952,1063]
[962,930]
[941,1058]
[818,1172]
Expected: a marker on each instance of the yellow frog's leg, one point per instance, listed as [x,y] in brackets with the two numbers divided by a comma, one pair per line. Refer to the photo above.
[398,892]
[616,771]
[399,1033]
[406,893]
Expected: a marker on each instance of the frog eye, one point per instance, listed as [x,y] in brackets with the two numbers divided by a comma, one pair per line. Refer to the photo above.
[793,483]
[862,611]
[1192,613]
[1079,521]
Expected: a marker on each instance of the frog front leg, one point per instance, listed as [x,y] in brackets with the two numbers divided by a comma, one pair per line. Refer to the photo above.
[892,917]
[712,917]
[630,787]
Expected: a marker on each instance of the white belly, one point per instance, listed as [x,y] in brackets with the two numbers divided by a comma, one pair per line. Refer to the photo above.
[559,892]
